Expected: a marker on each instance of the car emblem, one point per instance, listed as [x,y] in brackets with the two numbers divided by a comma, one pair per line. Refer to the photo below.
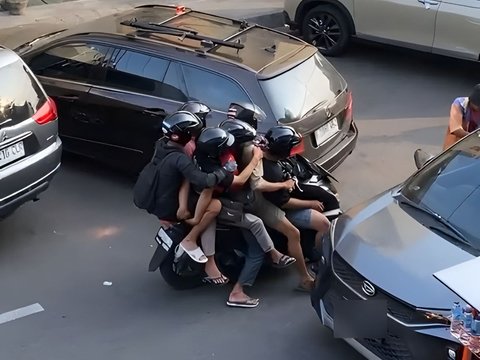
[368,288]
[3,136]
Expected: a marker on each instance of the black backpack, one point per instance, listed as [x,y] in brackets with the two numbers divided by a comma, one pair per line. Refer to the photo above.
[144,191]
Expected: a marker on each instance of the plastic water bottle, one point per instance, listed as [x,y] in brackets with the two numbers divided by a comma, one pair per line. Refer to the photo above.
[475,337]
[456,320]
[467,326]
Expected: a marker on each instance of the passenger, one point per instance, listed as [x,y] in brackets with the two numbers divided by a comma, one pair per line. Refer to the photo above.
[213,145]
[174,166]
[303,214]
[464,117]
[203,202]
[271,215]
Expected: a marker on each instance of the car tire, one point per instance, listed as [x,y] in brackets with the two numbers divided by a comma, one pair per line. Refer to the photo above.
[327,28]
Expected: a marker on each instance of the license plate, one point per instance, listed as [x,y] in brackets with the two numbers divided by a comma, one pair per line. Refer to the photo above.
[326,131]
[11,153]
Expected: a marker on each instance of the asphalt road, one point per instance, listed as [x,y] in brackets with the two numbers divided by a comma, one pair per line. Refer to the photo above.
[58,251]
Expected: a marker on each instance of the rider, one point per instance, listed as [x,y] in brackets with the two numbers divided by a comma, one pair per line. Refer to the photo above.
[174,166]
[213,147]
[271,215]
[304,214]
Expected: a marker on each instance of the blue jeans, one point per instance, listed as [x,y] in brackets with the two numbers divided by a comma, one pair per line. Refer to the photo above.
[254,257]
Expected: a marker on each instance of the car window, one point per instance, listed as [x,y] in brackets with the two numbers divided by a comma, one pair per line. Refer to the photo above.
[214,90]
[146,74]
[138,72]
[450,187]
[20,95]
[70,61]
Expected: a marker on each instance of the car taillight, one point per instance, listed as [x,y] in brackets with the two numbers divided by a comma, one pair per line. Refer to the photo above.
[180,9]
[298,149]
[46,113]
[349,107]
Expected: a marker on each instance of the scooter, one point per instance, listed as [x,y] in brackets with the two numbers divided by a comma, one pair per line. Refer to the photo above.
[183,273]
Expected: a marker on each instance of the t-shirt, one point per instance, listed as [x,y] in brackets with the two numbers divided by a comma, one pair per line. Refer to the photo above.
[273,172]
[209,164]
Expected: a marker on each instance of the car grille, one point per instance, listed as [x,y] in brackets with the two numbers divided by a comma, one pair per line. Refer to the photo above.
[390,348]
[396,308]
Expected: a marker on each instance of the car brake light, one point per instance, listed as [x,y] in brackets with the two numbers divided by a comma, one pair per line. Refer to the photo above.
[298,149]
[46,113]
[349,107]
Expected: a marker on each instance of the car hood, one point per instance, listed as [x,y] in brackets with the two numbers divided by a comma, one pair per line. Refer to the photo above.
[396,253]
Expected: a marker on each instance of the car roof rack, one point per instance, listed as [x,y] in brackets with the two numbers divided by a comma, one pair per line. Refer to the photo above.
[205,41]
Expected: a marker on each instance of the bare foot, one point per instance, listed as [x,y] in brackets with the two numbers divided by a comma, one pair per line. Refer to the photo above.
[276,256]
[188,244]
[183,214]
[191,222]
[212,270]
[240,299]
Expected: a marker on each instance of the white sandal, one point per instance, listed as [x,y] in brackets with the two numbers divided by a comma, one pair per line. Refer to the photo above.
[196,255]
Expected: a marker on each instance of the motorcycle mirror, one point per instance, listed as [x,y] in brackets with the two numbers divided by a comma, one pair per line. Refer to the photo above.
[421,157]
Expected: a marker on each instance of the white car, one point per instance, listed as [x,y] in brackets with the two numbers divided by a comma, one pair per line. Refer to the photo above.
[447,27]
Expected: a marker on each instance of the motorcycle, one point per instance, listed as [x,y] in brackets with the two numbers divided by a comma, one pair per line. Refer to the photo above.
[183,273]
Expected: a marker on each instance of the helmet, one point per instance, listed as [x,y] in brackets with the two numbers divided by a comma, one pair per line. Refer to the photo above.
[247,112]
[198,108]
[213,141]
[180,126]
[281,140]
[241,131]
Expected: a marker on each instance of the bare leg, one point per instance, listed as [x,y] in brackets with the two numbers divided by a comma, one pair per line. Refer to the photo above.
[320,224]
[295,250]
[182,212]
[202,206]
[190,241]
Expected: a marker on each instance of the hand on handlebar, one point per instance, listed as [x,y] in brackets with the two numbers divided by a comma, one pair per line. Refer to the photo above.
[289,184]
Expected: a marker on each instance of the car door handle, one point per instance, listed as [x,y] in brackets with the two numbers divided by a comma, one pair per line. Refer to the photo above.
[69,98]
[155,112]
[428,3]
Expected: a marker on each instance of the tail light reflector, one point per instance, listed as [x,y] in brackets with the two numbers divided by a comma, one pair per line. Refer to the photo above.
[349,107]
[46,113]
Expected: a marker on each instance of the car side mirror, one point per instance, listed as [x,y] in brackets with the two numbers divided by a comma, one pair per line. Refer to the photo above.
[421,158]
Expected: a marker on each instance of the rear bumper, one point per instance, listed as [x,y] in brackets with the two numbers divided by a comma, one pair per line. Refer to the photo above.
[29,177]
[331,160]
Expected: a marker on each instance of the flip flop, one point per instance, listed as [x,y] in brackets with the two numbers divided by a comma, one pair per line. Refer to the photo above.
[284,262]
[248,303]
[217,281]
[196,255]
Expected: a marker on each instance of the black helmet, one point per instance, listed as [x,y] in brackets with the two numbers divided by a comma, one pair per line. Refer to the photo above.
[247,112]
[198,108]
[241,131]
[213,141]
[281,140]
[180,126]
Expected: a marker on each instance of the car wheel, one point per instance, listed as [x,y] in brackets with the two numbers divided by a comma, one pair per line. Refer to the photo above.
[326,28]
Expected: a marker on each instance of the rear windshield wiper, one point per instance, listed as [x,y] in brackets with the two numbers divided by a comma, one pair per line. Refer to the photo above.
[42,37]
[183,33]
[451,229]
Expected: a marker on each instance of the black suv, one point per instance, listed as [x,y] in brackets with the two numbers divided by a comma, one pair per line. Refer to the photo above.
[116,78]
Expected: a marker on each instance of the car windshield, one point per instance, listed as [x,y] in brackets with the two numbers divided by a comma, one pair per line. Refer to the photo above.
[449,186]
[20,95]
[294,93]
